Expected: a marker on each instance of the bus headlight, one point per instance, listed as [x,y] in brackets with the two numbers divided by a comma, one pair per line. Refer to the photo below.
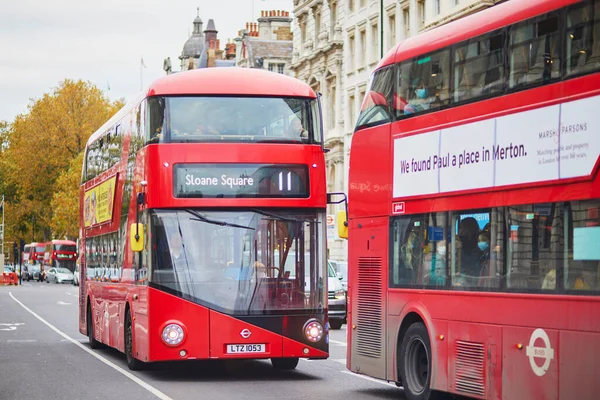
[340,294]
[313,330]
[172,334]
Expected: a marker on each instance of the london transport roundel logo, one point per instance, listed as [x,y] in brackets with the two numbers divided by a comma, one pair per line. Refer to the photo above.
[546,353]
[245,333]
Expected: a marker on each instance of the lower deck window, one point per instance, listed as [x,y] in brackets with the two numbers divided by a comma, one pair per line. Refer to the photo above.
[546,248]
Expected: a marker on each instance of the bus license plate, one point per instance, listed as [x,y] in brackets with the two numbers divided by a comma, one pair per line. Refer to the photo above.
[245,348]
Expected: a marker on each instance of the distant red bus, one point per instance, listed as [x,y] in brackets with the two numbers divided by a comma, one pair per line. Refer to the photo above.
[203,222]
[36,252]
[474,208]
[60,254]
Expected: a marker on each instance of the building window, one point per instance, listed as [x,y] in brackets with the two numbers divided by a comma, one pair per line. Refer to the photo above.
[280,68]
[352,48]
[392,31]
[406,21]
[351,109]
[376,38]
[437,7]
[351,5]
[332,18]
[363,3]
[317,13]
[455,2]
[331,108]
[363,47]
[271,67]
[421,7]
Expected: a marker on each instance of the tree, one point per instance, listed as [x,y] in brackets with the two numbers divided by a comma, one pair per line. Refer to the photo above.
[42,145]
[65,203]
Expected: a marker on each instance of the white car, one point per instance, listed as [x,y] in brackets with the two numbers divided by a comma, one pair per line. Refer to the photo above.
[59,275]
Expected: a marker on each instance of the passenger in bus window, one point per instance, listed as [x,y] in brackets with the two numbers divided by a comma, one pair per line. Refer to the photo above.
[411,258]
[483,242]
[422,100]
[470,253]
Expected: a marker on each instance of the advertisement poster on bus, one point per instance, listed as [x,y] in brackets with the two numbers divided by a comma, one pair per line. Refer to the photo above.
[98,203]
[544,144]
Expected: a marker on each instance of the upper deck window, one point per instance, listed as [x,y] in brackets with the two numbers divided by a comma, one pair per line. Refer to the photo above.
[583,38]
[377,104]
[423,83]
[233,119]
[534,51]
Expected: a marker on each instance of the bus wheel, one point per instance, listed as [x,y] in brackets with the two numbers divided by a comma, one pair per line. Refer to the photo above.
[284,363]
[133,363]
[94,344]
[415,363]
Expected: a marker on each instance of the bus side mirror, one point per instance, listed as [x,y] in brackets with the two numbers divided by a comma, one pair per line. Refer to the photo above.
[342,224]
[340,276]
[136,237]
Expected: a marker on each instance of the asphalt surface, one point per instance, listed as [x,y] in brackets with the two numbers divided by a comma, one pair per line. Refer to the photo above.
[43,356]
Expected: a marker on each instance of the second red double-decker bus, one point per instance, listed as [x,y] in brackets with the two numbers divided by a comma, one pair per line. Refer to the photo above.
[474,208]
[60,254]
[203,222]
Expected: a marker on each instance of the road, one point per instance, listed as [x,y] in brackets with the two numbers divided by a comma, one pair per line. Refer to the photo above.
[43,356]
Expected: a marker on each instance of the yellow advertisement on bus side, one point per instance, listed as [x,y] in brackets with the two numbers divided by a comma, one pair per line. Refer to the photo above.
[98,202]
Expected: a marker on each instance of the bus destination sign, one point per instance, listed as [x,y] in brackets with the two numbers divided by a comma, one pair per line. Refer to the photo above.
[240,181]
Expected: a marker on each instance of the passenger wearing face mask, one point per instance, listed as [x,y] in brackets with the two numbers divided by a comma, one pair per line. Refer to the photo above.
[483,242]
[421,101]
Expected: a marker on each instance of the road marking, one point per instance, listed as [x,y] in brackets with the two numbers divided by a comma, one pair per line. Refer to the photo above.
[62,303]
[128,374]
[12,326]
[337,342]
[21,341]
[71,294]
[369,379]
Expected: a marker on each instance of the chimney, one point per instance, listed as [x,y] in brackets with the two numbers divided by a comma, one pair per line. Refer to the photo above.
[218,44]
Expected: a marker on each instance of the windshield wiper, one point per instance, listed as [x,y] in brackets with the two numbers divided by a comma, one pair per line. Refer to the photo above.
[200,217]
[279,217]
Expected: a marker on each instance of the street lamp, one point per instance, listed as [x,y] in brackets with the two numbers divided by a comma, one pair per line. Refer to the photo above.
[33,229]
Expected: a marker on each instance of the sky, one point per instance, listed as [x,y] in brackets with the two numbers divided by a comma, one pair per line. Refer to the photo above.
[43,42]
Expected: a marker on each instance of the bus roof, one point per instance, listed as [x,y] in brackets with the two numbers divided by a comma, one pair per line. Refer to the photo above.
[481,22]
[215,81]
[59,241]
[230,81]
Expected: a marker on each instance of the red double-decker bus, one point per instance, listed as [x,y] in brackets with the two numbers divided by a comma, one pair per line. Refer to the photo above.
[60,254]
[203,222]
[474,208]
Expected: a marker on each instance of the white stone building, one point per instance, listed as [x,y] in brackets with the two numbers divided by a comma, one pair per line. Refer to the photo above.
[337,46]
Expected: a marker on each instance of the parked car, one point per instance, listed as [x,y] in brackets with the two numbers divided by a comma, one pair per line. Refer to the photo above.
[337,299]
[59,275]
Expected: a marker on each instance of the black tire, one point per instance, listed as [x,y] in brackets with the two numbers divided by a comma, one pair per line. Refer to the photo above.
[336,324]
[133,363]
[94,344]
[285,363]
[415,363]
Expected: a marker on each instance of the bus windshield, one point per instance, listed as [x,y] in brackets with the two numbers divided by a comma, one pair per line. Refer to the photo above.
[65,247]
[233,119]
[241,262]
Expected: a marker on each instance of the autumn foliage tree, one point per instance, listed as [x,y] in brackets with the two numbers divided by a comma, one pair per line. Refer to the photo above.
[42,160]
